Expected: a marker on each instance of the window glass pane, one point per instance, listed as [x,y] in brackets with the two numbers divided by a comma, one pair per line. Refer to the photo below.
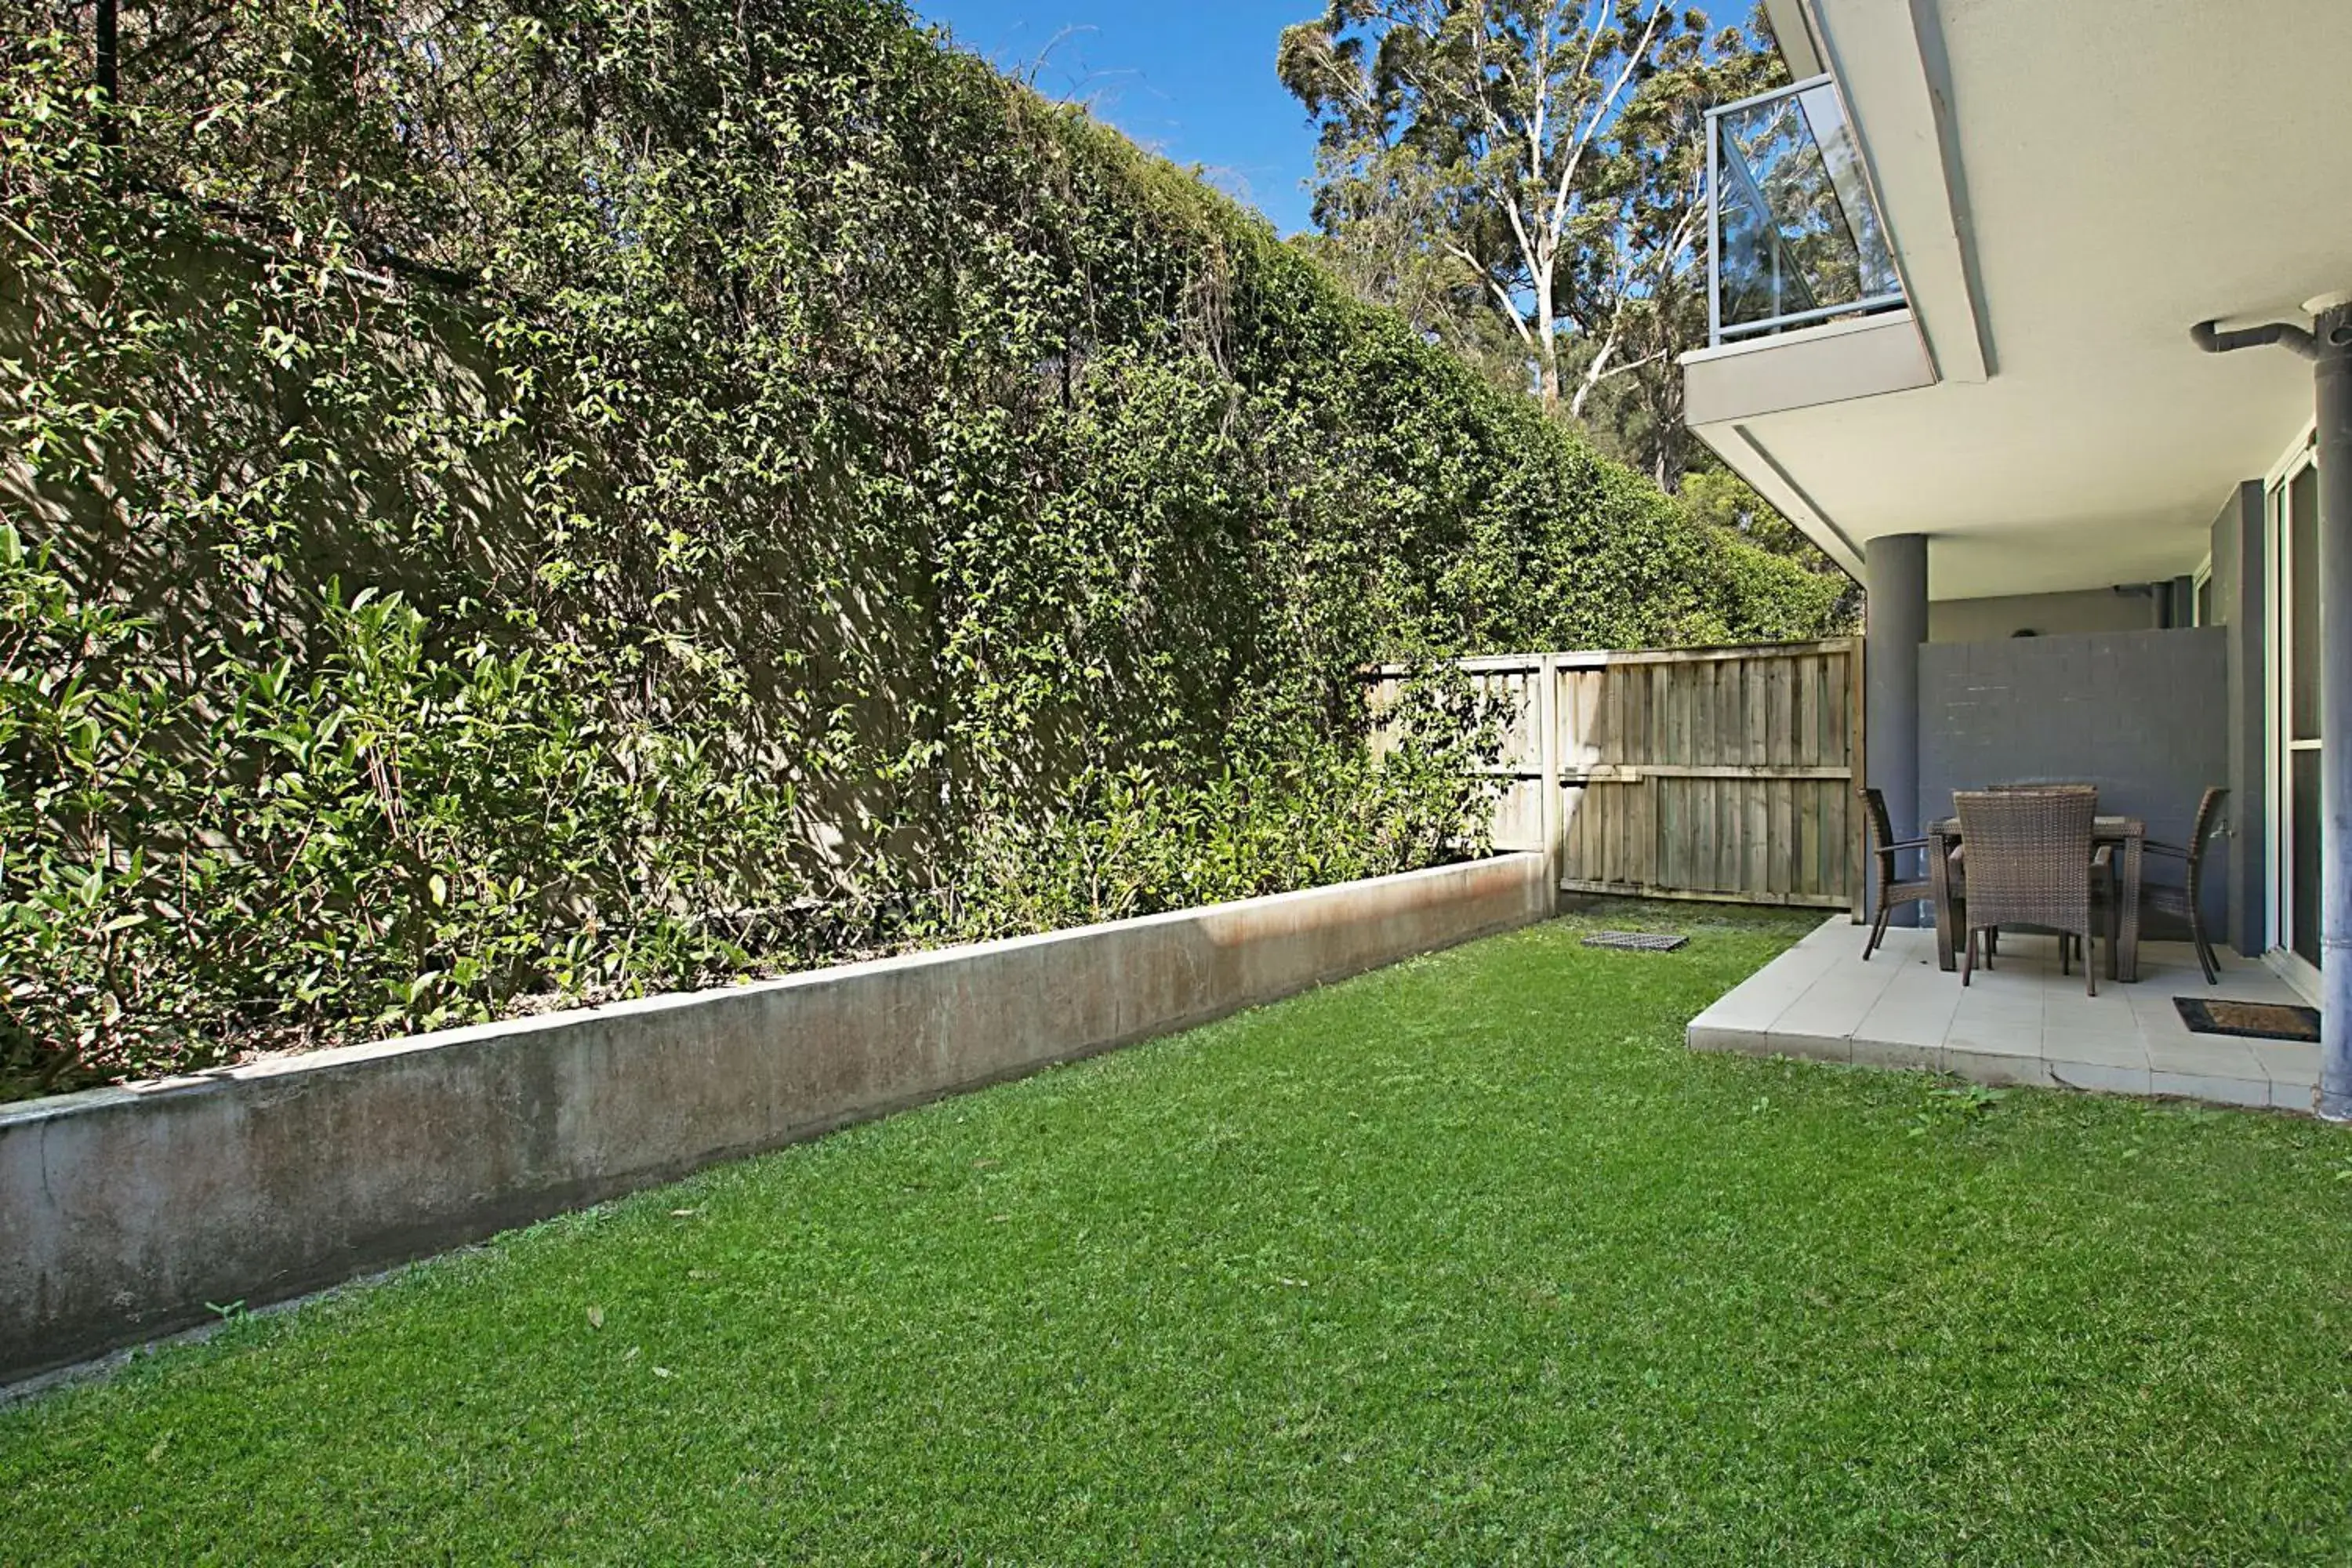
[2303,626]
[1799,232]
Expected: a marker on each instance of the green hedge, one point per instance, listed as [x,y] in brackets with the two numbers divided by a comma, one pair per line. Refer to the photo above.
[574,498]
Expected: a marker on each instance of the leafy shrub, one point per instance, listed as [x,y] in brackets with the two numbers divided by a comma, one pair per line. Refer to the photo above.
[507,499]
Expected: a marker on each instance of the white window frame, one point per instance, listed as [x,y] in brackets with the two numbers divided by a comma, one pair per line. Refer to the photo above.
[2278,946]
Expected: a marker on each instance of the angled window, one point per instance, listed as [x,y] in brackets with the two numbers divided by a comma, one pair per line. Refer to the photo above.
[1794,236]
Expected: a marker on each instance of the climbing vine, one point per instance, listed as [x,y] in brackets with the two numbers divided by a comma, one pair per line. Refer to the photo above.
[520,498]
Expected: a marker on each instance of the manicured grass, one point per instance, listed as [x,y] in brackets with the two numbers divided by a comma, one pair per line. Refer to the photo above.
[1467,1260]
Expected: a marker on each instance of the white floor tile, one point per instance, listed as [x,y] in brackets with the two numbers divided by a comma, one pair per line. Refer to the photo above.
[1902,1054]
[2100,1079]
[2000,1070]
[2256,1092]
[2297,1097]
[2097,1050]
[2288,1061]
[1995,1037]
[2206,1055]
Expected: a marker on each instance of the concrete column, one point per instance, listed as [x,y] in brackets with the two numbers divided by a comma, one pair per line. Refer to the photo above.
[2332,334]
[1894,623]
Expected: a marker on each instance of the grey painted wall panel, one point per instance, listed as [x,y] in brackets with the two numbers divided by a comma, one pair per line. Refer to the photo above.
[2238,585]
[2045,614]
[2143,715]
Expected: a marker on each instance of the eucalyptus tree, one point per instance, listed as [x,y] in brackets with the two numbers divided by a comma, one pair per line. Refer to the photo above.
[1540,163]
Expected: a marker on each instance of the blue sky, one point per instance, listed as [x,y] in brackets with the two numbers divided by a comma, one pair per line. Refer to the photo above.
[1191,80]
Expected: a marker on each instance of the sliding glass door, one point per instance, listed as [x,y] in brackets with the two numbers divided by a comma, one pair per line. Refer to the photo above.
[2295,715]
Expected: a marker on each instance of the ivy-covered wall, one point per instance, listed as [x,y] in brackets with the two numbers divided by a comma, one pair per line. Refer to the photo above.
[521,497]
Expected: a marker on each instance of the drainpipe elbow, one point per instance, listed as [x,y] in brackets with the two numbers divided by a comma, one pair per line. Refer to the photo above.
[2208,336]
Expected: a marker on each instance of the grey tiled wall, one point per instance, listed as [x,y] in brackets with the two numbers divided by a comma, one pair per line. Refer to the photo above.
[2143,715]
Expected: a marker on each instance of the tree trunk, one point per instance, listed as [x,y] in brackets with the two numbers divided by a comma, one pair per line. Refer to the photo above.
[1666,414]
[1546,344]
[1591,378]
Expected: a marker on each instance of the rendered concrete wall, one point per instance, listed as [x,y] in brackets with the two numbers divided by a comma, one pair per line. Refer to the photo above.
[2143,715]
[2044,615]
[122,1210]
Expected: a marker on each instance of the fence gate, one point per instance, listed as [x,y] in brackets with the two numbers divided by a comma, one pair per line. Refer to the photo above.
[1723,773]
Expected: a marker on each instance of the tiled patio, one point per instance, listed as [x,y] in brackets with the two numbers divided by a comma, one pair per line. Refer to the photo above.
[2023,1023]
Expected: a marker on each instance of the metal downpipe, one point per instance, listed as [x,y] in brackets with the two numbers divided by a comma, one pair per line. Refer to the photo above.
[2332,375]
[2208,335]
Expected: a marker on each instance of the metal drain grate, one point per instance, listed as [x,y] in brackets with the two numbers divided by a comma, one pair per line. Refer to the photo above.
[1639,941]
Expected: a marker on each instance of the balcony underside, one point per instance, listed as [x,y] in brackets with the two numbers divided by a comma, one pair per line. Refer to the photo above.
[1865,356]
[2057,237]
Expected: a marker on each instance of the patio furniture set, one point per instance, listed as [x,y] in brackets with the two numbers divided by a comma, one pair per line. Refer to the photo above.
[2040,857]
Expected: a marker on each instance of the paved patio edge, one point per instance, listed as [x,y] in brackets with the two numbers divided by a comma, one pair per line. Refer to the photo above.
[1819,1001]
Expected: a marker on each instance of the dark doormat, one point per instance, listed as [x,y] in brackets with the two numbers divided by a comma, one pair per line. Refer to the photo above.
[2253,1020]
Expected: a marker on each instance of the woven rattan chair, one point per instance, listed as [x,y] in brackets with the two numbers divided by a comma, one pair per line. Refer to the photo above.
[1892,889]
[2182,902]
[2031,864]
[1993,934]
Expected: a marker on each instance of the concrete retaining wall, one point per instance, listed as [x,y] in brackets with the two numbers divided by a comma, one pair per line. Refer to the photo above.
[122,1210]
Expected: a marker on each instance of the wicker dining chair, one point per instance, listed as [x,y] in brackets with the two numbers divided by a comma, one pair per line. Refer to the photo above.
[1891,888]
[2030,863]
[2182,902]
[1993,934]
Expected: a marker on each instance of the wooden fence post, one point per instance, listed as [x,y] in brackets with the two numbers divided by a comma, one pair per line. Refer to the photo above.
[1551,814]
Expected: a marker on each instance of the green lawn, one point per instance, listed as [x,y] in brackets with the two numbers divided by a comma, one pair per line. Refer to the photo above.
[1466,1260]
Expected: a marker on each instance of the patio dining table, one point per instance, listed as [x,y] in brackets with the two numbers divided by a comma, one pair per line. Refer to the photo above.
[2129,835]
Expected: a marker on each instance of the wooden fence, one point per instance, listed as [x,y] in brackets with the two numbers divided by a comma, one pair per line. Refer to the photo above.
[1723,773]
